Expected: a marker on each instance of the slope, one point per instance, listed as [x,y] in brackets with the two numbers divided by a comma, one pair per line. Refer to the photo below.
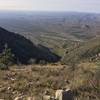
[89,50]
[24,49]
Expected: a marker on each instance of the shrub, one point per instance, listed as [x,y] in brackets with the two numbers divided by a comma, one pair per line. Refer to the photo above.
[3,66]
[42,62]
[32,61]
[6,58]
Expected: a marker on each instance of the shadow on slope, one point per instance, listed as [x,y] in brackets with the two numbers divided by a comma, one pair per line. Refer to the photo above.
[24,49]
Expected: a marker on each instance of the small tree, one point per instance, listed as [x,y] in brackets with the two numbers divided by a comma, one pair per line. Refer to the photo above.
[6,58]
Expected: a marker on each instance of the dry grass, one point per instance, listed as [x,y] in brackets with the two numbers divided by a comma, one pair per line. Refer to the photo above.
[28,80]
[86,81]
[33,80]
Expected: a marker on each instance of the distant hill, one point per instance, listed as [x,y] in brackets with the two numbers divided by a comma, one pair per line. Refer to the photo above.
[89,50]
[67,25]
[57,31]
[24,49]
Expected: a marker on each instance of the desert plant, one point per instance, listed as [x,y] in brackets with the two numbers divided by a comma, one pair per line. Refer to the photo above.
[6,58]
[32,61]
[42,62]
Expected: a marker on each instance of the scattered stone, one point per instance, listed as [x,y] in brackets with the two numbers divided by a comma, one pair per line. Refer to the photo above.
[58,94]
[46,97]
[30,98]
[9,88]
[19,98]
[12,79]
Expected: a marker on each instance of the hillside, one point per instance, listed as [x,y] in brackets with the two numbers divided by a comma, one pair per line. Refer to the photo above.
[87,51]
[33,80]
[57,31]
[24,49]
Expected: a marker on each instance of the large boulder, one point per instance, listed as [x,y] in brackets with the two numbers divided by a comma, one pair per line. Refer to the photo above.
[64,95]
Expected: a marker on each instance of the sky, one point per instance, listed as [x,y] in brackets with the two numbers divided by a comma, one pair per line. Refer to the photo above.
[51,5]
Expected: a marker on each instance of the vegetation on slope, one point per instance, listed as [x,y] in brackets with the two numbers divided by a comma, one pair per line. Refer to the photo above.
[6,58]
[89,50]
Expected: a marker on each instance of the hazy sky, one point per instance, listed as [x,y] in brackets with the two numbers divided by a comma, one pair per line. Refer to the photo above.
[52,5]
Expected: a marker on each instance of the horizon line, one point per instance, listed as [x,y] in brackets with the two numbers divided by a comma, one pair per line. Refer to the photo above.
[50,11]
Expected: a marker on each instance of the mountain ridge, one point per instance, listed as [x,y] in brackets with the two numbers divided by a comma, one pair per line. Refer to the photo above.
[24,49]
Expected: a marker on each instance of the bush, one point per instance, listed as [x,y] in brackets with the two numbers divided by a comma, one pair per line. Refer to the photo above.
[32,61]
[6,58]
[42,62]
[3,66]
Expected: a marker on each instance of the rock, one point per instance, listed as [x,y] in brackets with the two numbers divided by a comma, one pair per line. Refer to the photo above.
[12,79]
[46,97]
[58,94]
[67,95]
[9,88]
[19,98]
[30,98]
[99,54]
[64,95]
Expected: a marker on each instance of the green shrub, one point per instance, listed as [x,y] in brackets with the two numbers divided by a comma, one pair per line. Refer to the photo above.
[3,66]
[32,61]
[6,58]
[42,62]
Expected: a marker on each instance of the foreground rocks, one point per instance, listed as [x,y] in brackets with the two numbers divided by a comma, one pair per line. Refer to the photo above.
[21,98]
[61,94]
